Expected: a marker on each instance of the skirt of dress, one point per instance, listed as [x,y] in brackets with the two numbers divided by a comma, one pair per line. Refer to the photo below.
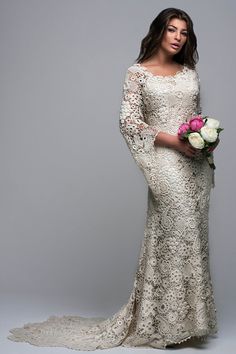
[172,298]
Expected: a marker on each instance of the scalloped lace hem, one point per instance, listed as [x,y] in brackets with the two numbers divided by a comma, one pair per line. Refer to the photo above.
[82,333]
[202,336]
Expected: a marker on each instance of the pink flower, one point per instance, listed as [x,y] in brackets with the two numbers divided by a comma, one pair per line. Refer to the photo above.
[196,123]
[184,127]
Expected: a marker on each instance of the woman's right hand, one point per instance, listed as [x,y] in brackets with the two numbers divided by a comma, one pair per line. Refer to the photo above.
[174,142]
[185,147]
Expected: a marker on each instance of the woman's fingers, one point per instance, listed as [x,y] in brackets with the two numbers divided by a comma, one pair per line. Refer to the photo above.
[190,152]
[191,149]
[212,148]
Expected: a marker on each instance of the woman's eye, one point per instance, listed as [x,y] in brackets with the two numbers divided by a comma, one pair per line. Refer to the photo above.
[172,30]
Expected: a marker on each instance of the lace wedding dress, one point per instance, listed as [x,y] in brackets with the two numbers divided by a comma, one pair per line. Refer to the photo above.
[172,297]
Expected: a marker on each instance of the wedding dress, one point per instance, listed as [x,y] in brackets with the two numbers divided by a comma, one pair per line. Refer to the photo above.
[172,297]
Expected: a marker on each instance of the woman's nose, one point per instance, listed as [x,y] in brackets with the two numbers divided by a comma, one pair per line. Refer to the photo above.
[178,36]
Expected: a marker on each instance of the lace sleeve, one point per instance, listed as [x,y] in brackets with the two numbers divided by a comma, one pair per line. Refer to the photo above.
[199,111]
[138,135]
[199,103]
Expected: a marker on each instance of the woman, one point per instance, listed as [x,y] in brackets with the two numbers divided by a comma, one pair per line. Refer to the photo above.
[172,298]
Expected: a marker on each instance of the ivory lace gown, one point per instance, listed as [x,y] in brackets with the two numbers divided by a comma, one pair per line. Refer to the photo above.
[172,297]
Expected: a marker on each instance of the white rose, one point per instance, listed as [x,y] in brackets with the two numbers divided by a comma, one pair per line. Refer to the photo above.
[209,134]
[212,123]
[196,140]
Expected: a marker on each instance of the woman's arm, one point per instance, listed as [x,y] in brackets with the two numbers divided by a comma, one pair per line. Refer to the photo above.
[173,142]
[139,135]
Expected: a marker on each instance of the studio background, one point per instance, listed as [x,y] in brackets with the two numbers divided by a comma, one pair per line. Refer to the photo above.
[73,202]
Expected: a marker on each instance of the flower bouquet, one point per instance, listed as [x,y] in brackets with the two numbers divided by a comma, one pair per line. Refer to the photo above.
[202,132]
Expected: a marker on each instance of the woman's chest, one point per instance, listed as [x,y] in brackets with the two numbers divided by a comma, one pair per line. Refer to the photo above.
[170,92]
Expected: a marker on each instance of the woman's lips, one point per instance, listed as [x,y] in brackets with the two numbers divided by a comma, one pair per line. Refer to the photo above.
[175,46]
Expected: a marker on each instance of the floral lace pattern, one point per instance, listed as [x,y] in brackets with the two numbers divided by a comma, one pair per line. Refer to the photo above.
[172,298]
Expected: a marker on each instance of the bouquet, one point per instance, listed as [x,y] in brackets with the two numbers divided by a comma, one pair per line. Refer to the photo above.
[202,132]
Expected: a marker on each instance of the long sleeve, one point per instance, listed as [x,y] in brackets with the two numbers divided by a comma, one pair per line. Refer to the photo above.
[199,102]
[199,111]
[138,135]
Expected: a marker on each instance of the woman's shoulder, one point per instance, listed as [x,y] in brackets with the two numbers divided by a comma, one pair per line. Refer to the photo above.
[134,68]
[135,73]
[192,68]
[194,71]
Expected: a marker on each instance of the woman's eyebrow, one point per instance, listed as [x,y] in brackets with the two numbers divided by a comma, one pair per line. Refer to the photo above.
[176,27]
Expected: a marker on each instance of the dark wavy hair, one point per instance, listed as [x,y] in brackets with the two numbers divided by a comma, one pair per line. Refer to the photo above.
[152,41]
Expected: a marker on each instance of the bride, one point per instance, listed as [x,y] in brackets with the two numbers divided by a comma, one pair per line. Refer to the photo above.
[172,298]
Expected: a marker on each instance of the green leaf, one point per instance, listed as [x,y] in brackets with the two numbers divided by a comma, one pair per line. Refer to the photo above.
[219,130]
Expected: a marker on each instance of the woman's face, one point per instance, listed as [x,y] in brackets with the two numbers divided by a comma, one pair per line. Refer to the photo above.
[175,33]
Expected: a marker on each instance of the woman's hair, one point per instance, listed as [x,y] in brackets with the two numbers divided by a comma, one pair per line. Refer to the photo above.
[151,43]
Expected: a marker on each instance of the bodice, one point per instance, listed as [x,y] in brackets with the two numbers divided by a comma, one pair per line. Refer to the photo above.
[168,101]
